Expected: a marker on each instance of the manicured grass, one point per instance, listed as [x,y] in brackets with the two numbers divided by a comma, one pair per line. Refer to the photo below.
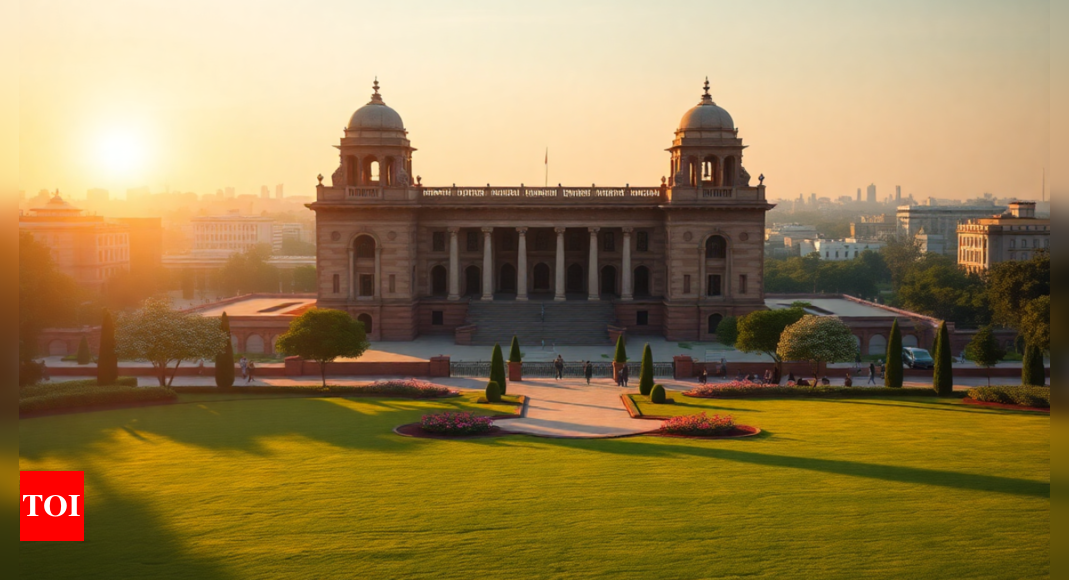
[320,488]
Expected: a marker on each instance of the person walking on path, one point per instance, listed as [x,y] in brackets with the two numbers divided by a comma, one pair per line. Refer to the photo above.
[768,377]
[244,364]
[558,364]
[872,373]
[588,371]
[704,377]
[623,376]
[249,370]
[848,381]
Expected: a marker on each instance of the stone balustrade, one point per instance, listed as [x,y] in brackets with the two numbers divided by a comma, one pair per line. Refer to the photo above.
[539,195]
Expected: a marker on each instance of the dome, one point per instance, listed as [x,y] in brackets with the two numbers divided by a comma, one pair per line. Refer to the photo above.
[376,115]
[706,116]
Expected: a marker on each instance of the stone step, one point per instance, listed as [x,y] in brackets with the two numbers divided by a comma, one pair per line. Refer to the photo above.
[573,322]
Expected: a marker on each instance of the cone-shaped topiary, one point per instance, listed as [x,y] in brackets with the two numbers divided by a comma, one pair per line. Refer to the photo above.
[657,394]
[1032,371]
[493,392]
[107,362]
[620,356]
[224,361]
[892,375]
[943,376]
[84,356]
[497,368]
[514,350]
[645,375]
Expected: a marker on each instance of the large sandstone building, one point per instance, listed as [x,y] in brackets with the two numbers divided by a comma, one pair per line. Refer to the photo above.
[563,264]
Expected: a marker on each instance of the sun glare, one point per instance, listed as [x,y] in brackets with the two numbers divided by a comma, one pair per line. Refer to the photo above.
[121,152]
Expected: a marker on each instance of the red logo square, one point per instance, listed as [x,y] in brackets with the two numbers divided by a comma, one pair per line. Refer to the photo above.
[53,506]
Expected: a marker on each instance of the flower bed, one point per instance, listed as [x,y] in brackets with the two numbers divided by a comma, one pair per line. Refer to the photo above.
[458,423]
[700,425]
[1021,396]
[747,390]
[401,388]
[413,388]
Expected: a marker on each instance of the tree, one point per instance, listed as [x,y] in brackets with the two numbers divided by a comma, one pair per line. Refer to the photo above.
[322,335]
[1032,369]
[158,334]
[84,357]
[760,331]
[900,256]
[47,297]
[107,362]
[892,376]
[248,272]
[497,368]
[224,361]
[1012,285]
[294,247]
[943,375]
[304,279]
[620,356]
[728,330]
[817,339]
[984,350]
[1035,323]
[514,351]
[645,374]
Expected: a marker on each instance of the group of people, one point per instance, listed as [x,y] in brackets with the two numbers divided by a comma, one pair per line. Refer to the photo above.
[248,369]
[588,371]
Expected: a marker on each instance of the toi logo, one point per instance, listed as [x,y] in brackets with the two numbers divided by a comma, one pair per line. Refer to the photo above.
[52,506]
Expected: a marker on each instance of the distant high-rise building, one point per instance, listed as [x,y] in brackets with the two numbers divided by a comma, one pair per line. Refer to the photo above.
[97,195]
[278,191]
[137,193]
[870,193]
[813,199]
[265,192]
[859,194]
[898,194]
[219,193]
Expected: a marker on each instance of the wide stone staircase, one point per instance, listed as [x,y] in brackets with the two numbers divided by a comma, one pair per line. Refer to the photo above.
[571,322]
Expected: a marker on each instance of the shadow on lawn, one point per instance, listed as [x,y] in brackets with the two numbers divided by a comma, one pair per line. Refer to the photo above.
[123,539]
[935,405]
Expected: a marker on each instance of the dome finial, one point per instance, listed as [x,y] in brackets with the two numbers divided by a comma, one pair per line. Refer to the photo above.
[706,97]
[376,97]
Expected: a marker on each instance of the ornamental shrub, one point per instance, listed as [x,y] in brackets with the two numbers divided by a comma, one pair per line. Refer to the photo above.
[497,368]
[1032,371]
[892,375]
[84,356]
[86,395]
[744,390]
[620,356]
[657,394]
[943,376]
[984,350]
[645,375]
[514,350]
[107,362]
[1022,395]
[493,392]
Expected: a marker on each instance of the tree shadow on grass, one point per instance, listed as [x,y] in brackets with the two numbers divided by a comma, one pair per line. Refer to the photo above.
[657,447]
[935,405]
[123,539]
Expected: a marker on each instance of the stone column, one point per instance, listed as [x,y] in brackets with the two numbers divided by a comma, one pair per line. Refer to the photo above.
[728,270]
[592,274]
[488,264]
[521,265]
[378,272]
[626,292]
[559,279]
[352,276]
[454,265]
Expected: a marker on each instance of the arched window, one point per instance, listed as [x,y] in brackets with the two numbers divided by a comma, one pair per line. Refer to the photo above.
[472,281]
[714,322]
[373,172]
[642,281]
[877,344]
[507,282]
[716,248]
[366,320]
[541,276]
[438,280]
[365,247]
[254,344]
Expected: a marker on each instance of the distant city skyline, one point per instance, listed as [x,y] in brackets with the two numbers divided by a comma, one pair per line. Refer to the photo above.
[831,96]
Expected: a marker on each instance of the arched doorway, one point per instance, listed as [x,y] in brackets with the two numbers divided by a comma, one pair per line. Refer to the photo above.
[909,340]
[715,248]
[472,281]
[507,277]
[541,277]
[254,344]
[714,322]
[642,281]
[438,281]
[608,280]
[366,320]
[877,345]
[573,281]
[364,265]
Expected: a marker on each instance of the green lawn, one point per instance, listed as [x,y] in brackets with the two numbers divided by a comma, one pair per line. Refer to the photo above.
[320,488]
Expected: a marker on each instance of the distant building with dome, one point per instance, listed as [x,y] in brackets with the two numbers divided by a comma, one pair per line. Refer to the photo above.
[563,265]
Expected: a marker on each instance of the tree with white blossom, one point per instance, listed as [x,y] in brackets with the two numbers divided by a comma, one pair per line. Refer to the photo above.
[817,339]
[161,335]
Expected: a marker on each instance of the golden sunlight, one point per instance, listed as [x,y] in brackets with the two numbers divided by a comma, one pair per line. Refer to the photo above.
[121,152]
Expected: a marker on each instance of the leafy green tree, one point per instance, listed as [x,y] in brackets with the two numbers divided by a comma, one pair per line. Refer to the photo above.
[514,350]
[295,247]
[1012,285]
[1033,371]
[161,335]
[84,357]
[248,272]
[47,297]
[107,362]
[817,339]
[1035,323]
[728,331]
[900,255]
[984,350]
[892,376]
[224,361]
[645,375]
[760,331]
[620,356]
[322,335]
[943,376]
[304,279]
[497,369]
[935,286]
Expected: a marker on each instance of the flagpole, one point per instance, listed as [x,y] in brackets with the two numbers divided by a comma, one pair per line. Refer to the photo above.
[547,168]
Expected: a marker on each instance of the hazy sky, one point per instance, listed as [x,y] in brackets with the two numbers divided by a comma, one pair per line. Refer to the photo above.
[946,98]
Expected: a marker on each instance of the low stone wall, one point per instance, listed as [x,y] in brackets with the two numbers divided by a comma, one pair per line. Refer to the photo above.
[294,367]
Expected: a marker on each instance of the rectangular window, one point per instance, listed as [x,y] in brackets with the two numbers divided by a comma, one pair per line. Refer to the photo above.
[642,242]
[438,242]
[573,241]
[472,238]
[367,284]
[642,318]
[437,317]
[742,283]
[714,285]
[393,283]
[608,242]
[337,284]
[686,284]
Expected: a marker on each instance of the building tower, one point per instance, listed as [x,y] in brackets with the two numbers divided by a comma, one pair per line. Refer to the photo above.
[375,151]
[871,193]
[898,194]
[707,150]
